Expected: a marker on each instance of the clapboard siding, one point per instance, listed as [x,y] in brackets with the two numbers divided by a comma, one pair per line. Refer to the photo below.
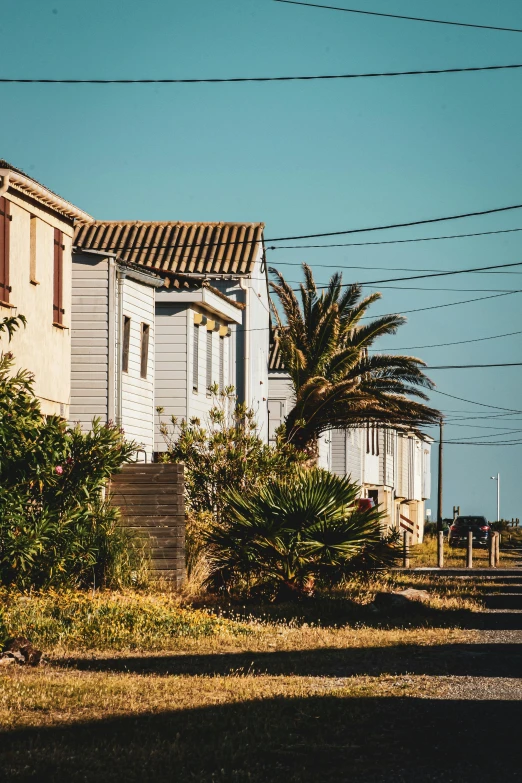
[171,365]
[89,340]
[338,451]
[137,393]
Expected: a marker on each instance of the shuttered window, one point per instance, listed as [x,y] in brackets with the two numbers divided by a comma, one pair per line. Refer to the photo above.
[221,364]
[209,361]
[5,227]
[58,277]
[145,333]
[125,343]
[195,358]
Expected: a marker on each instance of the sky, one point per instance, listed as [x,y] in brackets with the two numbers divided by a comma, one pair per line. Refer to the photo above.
[306,157]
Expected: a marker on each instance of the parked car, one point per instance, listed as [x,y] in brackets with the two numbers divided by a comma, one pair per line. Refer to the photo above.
[365,504]
[458,532]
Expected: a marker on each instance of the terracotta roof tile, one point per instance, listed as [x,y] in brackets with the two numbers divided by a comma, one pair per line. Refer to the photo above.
[275,359]
[182,248]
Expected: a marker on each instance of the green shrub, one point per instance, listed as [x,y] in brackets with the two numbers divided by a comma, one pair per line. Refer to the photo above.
[55,527]
[293,534]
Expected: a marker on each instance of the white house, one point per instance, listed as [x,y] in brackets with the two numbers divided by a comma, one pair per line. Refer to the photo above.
[36,234]
[113,341]
[218,273]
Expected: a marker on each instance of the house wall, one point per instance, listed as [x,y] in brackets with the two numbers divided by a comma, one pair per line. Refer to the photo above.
[255,330]
[89,340]
[280,396]
[175,368]
[137,413]
[172,325]
[42,348]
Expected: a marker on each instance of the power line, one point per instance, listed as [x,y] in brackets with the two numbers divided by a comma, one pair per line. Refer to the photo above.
[434,274]
[239,79]
[448,304]
[474,402]
[493,435]
[471,366]
[395,241]
[401,16]
[443,345]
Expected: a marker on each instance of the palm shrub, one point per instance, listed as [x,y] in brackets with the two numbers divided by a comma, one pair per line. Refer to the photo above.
[293,534]
[325,342]
[55,526]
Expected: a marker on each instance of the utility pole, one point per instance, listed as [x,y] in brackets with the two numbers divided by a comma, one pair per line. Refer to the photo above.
[497,479]
[440,532]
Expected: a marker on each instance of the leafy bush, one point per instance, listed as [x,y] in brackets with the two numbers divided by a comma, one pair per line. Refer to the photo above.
[55,527]
[226,452]
[293,534]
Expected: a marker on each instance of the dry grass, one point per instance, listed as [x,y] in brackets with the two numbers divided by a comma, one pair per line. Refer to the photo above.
[149,687]
[425,554]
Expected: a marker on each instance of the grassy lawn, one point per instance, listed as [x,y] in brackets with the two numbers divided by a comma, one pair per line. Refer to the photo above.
[146,687]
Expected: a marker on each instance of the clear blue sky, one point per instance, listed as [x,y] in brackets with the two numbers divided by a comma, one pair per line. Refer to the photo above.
[302,157]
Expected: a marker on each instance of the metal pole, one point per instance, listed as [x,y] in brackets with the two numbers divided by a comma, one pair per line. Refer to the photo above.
[498,497]
[440,534]
[469,550]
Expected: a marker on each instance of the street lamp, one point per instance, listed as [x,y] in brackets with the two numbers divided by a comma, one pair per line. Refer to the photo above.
[497,479]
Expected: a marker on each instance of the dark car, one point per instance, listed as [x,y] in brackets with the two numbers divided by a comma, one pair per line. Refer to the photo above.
[479,526]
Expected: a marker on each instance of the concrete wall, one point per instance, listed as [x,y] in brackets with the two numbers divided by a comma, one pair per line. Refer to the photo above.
[42,348]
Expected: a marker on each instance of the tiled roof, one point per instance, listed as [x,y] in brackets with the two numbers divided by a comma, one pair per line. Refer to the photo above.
[42,193]
[182,248]
[275,359]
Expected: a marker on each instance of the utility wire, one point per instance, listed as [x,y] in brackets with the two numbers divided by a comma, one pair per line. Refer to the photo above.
[474,402]
[443,345]
[238,79]
[401,16]
[431,274]
[437,307]
[471,366]
[396,241]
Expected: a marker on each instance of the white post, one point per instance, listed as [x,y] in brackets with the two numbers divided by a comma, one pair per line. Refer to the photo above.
[498,497]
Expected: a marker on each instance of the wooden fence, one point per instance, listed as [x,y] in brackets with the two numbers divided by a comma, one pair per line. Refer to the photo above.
[150,497]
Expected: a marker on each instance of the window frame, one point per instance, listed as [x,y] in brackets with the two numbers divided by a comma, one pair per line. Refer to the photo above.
[5,239]
[144,349]
[125,343]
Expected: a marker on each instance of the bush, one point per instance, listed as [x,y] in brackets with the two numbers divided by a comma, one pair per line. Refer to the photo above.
[55,527]
[226,452]
[293,534]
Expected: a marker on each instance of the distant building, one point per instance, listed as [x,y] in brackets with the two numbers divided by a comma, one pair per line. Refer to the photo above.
[36,236]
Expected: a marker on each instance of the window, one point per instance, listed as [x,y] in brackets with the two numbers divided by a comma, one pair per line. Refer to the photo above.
[32,251]
[58,278]
[221,363]
[5,226]
[209,360]
[145,332]
[195,358]
[125,343]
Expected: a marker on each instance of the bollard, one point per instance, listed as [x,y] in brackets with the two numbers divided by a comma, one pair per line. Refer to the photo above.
[406,550]
[440,549]
[469,550]
[492,551]
[497,549]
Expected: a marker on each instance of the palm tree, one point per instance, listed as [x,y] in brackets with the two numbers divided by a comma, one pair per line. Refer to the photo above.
[324,341]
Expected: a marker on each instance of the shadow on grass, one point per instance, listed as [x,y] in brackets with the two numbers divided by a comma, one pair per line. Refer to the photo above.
[321,739]
[480,660]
